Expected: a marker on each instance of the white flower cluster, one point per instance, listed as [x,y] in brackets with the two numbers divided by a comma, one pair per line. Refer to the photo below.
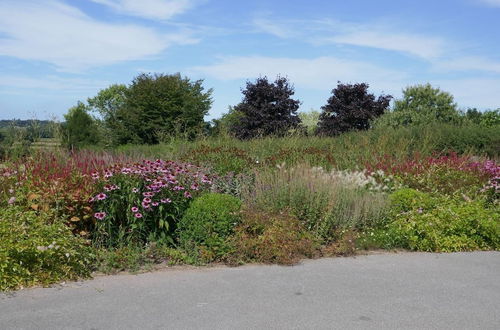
[357,179]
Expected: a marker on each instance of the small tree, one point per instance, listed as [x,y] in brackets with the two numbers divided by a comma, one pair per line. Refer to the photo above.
[267,109]
[350,107]
[80,128]
[163,104]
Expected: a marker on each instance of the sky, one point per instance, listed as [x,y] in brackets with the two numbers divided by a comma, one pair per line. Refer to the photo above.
[54,53]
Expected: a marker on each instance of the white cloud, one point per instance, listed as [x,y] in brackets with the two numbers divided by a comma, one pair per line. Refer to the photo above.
[151,9]
[320,73]
[64,36]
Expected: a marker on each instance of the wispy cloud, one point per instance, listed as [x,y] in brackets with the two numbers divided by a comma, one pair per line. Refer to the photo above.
[494,3]
[51,82]
[64,36]
[151,9]
[375,35]
[417,45]
[273,28]
[318,73]
[470,63]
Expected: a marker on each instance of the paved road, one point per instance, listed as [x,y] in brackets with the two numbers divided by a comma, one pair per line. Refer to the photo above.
[386,291]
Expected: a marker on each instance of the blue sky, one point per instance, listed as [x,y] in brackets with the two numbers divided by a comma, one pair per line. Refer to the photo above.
[56,52]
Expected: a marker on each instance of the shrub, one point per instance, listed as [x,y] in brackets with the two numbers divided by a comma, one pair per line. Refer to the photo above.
[323,201]
[143,202]
[267,109]
[38,249]
[207,224]
[272,238]
[421,222]
[350,107]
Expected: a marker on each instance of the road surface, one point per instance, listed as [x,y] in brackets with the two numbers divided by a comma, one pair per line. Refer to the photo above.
[379,291]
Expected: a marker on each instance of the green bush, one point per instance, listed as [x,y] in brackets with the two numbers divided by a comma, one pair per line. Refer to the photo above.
[207,224]
[37,250]
[422,222]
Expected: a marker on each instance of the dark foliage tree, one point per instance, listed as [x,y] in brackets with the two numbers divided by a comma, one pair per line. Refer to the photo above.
[160,104]
[350,107]
[267,109]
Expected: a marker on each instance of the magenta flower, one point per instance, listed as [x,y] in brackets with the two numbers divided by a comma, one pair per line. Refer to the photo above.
[148,194]
[147,200]
[187,194]
[138,215]
[101,196]
[134,209]
[135,190]
[99,215]
[166,200]
[145,205]
[155,203]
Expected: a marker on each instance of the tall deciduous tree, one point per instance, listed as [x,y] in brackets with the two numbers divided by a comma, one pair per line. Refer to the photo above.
[163,104]
[267,109]
[350,107]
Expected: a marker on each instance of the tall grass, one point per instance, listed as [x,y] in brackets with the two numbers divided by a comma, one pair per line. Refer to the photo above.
[324,201]
[348,151]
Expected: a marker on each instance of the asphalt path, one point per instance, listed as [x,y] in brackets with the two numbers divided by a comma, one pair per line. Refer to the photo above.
[378,291]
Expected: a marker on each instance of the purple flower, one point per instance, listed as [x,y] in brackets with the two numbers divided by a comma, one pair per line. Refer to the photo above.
[134,209]
[155,203]
[148,194]
[138,215]
[187,194]
[166,200]
[99,215]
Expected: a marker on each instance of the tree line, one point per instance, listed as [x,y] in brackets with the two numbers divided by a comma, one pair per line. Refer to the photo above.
[156,107]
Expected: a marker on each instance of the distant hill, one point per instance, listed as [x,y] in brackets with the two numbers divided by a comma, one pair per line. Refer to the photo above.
[23,123]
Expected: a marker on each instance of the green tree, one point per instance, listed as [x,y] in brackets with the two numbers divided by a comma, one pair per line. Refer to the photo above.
[421,104]
[80,128]
[108,103]
[162,104]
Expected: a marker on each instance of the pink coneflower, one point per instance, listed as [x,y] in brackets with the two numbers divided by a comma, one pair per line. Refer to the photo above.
[108,187]
[138,215]
[166,200]
[12,200]
[99,215]
[148,194]
[91,200]
[187,194]
[145,205]
[101,196]
[155,203]
[177,188]
[134,209]
[95,175]
[147,200]
[194,186]
[135,190]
